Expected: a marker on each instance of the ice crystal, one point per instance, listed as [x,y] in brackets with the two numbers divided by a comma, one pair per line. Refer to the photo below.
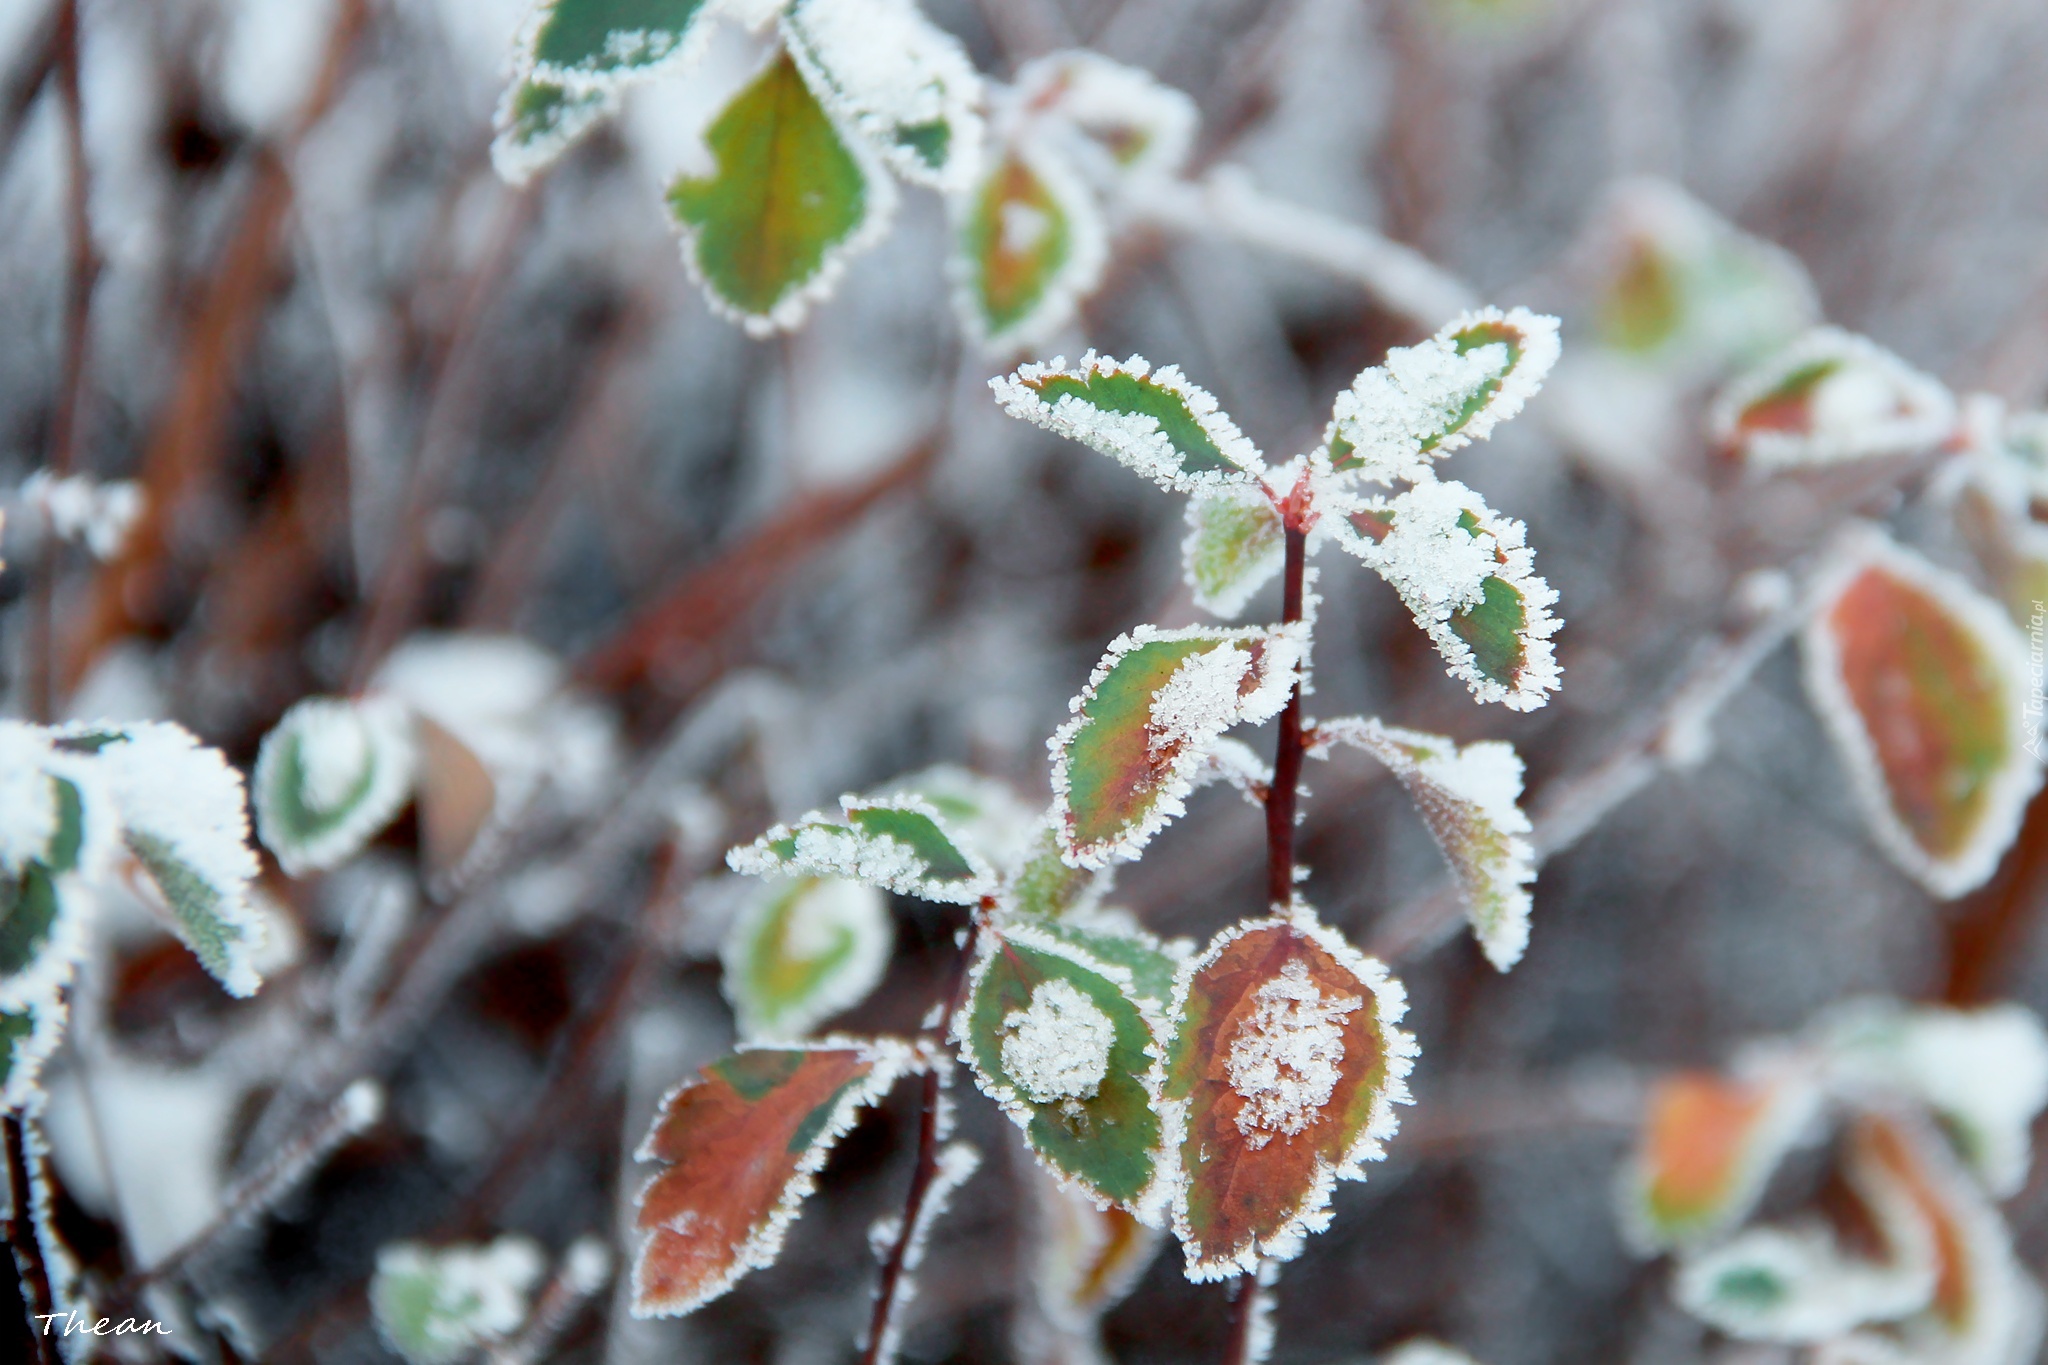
[1288,1054]
[1057,1048]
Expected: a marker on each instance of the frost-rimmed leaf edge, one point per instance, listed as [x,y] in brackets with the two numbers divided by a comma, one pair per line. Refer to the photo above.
[758,858]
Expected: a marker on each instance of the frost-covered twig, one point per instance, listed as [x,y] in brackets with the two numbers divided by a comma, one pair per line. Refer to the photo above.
[882,1325]
[21,1237]
[1226,203]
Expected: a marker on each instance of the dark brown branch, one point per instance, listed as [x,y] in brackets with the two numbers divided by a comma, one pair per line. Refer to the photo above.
[21,1236]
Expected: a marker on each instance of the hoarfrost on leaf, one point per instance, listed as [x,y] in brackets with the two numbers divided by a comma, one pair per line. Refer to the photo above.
[1285,1060]
[536,122]
[28,797]
[1029,243]
[1057,1048]
[1426,401]
[589,46]
[1469,797]
[1795,1285]
[1154,421]
[801,951]
[1236,544]
[906,85]
[899,843]
[1828,397]
[436,1306]
[1135,127]
[330,776]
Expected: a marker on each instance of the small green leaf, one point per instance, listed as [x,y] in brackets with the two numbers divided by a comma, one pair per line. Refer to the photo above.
[1923,681]
[1468,797]
[1058,1038]
[28,913]
[436,1306]
[1235,545]
[1828,397]
[330,776]
[1046,885]
[1426,401]
[1030,244]
[29,1033]
[899,80]
[802,951]
[768,233]
[1281,1075]
[536,122]
[586,45]
[1143,728]
[897,843]
[1154,421]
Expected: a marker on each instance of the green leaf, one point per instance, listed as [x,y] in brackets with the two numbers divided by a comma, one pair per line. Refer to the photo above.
[1030,244]
[897,843]
[768,233]
[1426,401]
[900,81]
[28,913]
[1281,1076]
[984,816]
[536,122]
[802,951]
[1235,545]
[1143,728]
[1058,1037]
[1922,681]
[742,1144]
[330,776]
[29,1033]
[1831,396]
[1468,576]
[1046,885]
[436,1306]
[1469,799]
[590,45]
[1114,937]
[1154,421]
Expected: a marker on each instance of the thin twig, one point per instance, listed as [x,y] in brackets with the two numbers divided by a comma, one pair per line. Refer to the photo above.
[890,1286]
[21,1236]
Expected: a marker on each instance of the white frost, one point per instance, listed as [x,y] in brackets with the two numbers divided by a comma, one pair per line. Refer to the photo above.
[1057,1048]
[28,799]
[1870,404]
[1135,127]
[816,919]
[1288,1055]
[83,510]
[1073,278]
[356,761]
[435,1306]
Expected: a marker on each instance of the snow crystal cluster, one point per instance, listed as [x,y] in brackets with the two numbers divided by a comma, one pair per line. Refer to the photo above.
[1057,1048]
[1288,1055]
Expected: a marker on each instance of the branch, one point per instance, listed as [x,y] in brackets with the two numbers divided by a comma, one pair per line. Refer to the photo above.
[21,1236]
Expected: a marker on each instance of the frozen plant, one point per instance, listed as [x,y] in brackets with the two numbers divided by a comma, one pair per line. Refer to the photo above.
[1223,1092]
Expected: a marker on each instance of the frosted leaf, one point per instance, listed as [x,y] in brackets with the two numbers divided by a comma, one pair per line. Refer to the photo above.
[1084,1260]
[1057,1047]
[1985,1308]
[898,843]
[436,1306]
[743,1142]
[1425,1351]
[1685,291]
[1829,397]
[1426,401]
[1058,1038]
[1469,578]
[1708,1147]
[1028,244]
[905,84]
[1235,545]
[1922,682]
[1286,1057]
[1795,1285]
[43,937]
[28,797]
[1265,1110]
[587,46]
[83,510]
[1114,936]
[331,775]
[955,1164]
[1135,127]
[1984,1071]
[1142,727]
[536,122]
[1154,421]
[184,818]
[29,1034]
[983,815]
[1469,799]
[802,951]
[1046,885]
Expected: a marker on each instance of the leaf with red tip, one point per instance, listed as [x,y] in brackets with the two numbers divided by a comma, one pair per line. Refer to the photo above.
[1281,1079]
[1709,1143]
[1832,396]
[1157,701]
[743,1144]
[1922,681]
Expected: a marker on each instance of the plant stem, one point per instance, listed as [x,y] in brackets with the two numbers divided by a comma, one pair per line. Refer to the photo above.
[927,1155]
[1281,802]
[21,1234]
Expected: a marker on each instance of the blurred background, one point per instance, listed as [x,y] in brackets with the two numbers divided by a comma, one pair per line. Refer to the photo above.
[365,389]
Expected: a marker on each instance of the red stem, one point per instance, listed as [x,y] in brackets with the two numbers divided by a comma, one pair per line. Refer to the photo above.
[927,1155]
[1281,802]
